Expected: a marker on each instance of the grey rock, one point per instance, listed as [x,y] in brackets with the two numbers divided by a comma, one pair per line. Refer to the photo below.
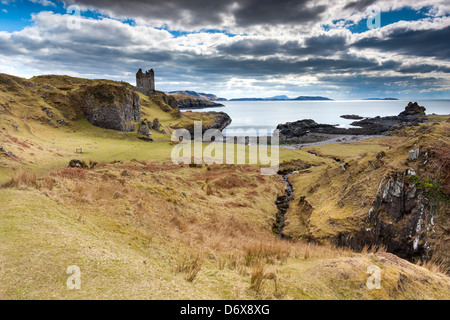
[62,122]
[143,129]
[111,107]
[47,112]
[156,125]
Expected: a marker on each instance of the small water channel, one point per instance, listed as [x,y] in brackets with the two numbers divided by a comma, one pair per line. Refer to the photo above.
[282,204]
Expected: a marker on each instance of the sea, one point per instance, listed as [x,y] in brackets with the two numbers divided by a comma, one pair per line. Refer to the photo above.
[264,116]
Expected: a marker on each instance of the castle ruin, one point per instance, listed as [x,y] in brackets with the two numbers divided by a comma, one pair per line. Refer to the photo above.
[145,82]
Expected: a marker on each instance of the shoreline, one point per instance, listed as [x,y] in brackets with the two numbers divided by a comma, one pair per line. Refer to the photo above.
[333,138]
[314,140]
[199,107]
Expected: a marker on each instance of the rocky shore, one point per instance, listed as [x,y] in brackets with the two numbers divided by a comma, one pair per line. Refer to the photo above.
[306,131]
[185,101]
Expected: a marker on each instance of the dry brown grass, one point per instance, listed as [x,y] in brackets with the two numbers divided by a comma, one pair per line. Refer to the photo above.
[437,267]
[72,173]
[229,233]
[23,179]
[190,266]
[276,251]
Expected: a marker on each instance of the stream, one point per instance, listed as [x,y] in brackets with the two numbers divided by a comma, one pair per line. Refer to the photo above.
[282,204]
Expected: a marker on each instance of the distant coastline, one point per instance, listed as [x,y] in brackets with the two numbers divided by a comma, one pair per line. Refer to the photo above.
[381,99]
[284,98]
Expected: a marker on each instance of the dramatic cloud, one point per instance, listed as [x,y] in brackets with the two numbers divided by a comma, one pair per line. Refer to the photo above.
[204,13]
[236,48]
[428,43]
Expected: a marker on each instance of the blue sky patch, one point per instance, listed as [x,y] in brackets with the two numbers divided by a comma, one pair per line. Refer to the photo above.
[386,18]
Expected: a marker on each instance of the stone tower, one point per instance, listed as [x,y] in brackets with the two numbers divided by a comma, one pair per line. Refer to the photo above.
[145,82]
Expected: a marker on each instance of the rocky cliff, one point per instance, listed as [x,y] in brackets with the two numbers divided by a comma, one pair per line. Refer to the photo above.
[110,106]
[401,218]
[189,102]
[199,95]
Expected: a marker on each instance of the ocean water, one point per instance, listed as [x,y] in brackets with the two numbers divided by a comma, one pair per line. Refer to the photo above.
[267,115]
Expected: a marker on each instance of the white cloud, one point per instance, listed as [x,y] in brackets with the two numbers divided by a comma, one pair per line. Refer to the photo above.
[45,3]
[299,61]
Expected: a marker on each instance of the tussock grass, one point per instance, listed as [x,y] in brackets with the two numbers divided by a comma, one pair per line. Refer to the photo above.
[24,179]
[190,266]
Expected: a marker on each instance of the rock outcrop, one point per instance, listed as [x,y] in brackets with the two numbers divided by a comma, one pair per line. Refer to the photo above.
[185,101]
[110,106]
[199,95]
[352,117]
[295,132]
[210,120]
[221,120]
[412,111]
[401,218]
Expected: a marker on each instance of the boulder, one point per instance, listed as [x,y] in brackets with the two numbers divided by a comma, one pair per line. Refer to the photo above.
[144,130]
[156,125]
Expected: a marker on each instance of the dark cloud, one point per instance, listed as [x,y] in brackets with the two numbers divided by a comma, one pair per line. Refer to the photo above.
[426,43]
[198,13]
[276,66]
[253,12]
[423,68]
[321,45]
[359,5]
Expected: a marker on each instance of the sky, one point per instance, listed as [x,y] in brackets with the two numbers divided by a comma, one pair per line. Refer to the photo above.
[342,49]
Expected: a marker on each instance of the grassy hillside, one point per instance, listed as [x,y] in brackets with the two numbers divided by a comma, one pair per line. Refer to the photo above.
[141,227]
[157,231]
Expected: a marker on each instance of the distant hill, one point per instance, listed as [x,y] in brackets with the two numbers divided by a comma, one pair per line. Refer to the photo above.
[311,98]
[381,99]
[198,95]
[283,98]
